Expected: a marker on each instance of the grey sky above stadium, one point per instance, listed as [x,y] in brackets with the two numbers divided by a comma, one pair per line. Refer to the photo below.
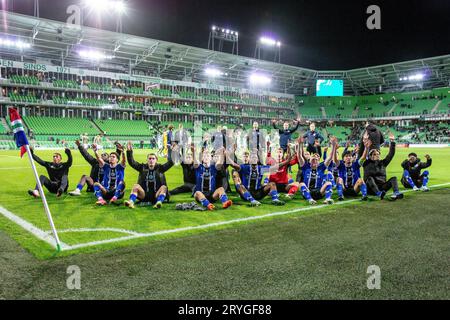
[326,35]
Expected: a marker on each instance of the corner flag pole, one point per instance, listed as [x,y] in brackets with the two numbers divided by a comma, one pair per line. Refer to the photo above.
[22,143]
[44,200]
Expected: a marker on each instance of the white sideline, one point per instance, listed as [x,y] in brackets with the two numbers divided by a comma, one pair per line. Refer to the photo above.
[38,233]
[46,235]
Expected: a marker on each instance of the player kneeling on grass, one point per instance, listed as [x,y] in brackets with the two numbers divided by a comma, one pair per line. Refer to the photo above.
[315,184]
[151,186]
[248,180]
[411,174]
[375,172]
[113,185]
[349,181]
[58,172]
[205,190]
[96,174]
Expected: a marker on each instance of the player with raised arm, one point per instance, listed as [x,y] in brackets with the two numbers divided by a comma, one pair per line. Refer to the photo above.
[187,164]
[349,181]
[96,174]
[280,176]
[375,171]
[315,184]
[58,173]
[411,175]
[205,190]
[285,133]
[113,185]
[151,186]
[250,183]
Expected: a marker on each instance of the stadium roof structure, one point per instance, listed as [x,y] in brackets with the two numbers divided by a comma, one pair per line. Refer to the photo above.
[59,43]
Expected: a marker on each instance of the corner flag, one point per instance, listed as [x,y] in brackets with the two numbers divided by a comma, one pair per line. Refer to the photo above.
[22,143]
[19,133]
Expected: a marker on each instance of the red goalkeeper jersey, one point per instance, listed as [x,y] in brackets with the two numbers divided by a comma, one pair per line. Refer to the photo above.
[281,176]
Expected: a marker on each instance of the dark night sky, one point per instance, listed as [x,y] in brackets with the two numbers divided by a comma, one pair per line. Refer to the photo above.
[324,35]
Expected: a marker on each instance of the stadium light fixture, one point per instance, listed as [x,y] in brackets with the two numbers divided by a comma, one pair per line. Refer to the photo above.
[213,72]
[119,7]
[94,55]
[269,42]
[413,77]
[17,44]
[259,79]
[102,5]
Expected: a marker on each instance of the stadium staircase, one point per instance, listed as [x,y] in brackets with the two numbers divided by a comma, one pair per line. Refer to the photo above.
[96,125]
[392,109]
[436,107]
[324,113]
[4,128]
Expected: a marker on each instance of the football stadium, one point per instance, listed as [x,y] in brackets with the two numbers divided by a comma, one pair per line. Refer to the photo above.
[160,170]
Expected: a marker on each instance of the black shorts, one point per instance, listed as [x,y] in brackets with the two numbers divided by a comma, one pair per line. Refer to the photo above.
[110,194]
[350,192]
[281,187]
[316,194]
[150,197]
[259,194]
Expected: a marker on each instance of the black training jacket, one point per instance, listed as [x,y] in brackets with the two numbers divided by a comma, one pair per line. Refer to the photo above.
[377,169]
[145,173]
[414,168]
[55,171]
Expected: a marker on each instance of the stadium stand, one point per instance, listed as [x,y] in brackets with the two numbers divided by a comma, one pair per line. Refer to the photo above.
[31,80]
[124,128]
[59,126]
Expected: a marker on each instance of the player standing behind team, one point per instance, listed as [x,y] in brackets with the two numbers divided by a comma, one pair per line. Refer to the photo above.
[58,173]
[313,139]
[151,186]
[205,190]
[285,133]
[315,184]
[411,175]
[113,185]
[375,171]
[349,181]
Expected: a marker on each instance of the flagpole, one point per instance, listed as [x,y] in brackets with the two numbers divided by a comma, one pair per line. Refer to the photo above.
[44,200]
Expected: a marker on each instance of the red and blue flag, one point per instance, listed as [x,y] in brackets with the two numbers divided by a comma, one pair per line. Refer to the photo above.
[19,132]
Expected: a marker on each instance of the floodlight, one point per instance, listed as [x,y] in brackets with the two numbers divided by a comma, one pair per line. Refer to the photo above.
[18,44]
[119,6]
[93,55]
[259,79]
[103,5]
[267,41]
[213,72]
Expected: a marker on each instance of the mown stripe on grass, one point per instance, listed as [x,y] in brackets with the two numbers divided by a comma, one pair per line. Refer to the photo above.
[46,235]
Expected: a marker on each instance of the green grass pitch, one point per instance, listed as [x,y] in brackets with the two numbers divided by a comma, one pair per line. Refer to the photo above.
[80,222]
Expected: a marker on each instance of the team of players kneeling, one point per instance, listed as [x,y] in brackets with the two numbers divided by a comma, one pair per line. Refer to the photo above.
[207,177]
